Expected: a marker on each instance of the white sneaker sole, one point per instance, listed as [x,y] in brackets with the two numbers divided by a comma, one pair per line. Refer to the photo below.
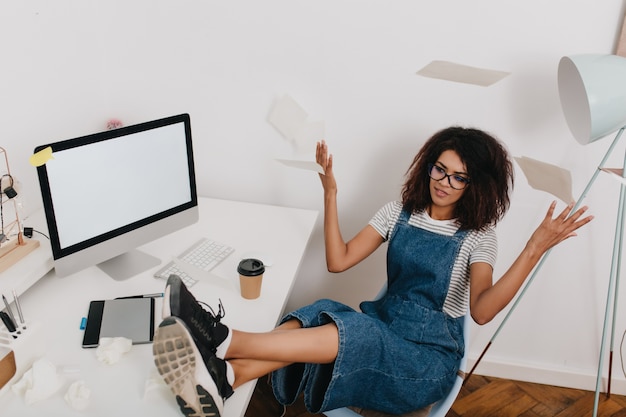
[180,364]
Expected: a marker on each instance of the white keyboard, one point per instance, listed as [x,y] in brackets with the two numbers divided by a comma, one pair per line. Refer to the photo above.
[205,254]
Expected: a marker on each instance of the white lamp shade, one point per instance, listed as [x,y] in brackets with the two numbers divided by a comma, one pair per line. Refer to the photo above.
[592,89]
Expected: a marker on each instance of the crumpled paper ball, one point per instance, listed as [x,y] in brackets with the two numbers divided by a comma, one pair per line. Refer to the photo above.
[111,349]
[77,396]
[38,383]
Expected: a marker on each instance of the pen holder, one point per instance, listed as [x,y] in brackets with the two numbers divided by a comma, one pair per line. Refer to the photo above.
[18,351]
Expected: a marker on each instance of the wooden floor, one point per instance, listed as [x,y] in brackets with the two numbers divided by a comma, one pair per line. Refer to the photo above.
[481,397]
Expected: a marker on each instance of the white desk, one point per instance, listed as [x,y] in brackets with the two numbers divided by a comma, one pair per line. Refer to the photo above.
[56,305]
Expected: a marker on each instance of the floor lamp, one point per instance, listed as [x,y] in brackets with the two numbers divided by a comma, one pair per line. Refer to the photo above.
[592,89]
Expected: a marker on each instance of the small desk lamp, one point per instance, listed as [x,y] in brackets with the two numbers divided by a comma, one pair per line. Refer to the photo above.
[592,89]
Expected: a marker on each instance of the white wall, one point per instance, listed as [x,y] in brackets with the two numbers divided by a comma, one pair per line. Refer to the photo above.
[69,66]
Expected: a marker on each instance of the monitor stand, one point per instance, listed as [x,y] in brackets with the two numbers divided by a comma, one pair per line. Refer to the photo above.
[128,264]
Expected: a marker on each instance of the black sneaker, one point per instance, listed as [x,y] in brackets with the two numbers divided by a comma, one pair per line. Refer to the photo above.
[205,325]
[196,380]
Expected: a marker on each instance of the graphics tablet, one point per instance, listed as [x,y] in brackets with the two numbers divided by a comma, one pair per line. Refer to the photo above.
[132,318]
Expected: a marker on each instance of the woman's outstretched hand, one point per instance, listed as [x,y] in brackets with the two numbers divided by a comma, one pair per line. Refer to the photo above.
[553,231]
[489,299]
[326,162]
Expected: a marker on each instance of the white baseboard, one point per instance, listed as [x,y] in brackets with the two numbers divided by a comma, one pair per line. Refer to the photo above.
[569,378]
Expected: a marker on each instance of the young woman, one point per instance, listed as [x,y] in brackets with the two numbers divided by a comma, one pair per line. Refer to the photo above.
[401,352]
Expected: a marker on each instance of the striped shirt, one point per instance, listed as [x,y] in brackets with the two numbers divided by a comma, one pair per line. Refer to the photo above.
[478,246]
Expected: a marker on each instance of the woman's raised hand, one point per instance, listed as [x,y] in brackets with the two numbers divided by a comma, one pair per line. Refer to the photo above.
[553,231]
[325,160]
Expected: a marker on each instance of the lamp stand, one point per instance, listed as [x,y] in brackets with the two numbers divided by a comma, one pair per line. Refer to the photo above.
[616,262]
[613,280]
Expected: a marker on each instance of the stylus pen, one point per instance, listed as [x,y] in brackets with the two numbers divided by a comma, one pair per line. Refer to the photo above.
[9,311]
[18,306]
[155,295]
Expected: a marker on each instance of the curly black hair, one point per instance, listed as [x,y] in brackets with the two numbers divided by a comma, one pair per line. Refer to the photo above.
[486,198]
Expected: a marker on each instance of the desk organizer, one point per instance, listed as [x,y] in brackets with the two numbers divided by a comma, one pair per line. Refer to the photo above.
[18,351]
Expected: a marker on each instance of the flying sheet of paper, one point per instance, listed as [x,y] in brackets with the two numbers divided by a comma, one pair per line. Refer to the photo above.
[547,177]
[291,120]
[451,71]
[288,117]
[308,135]
[307,165]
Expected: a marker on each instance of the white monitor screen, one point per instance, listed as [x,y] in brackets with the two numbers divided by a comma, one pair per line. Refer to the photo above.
[115,185]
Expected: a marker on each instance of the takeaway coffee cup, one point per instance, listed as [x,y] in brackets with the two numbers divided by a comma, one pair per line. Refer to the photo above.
[250,277]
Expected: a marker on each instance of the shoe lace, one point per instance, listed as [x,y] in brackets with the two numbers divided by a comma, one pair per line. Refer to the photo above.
[213,318]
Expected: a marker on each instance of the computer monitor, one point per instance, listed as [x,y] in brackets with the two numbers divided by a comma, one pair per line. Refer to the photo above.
[108,193]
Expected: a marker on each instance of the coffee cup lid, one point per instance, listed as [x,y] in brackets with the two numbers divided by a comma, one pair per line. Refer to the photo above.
[251,267]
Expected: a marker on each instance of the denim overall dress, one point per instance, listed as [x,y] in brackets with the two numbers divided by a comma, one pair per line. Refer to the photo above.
[402,352]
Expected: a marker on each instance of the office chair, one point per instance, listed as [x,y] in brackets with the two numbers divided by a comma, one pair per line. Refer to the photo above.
[441,407]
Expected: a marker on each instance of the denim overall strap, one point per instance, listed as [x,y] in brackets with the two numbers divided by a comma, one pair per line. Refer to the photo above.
[420,262]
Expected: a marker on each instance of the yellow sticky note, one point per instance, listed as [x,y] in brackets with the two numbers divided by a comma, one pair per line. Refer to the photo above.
[41,157]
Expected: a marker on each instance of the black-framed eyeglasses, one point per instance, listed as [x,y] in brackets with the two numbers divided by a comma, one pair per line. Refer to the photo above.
[456,181]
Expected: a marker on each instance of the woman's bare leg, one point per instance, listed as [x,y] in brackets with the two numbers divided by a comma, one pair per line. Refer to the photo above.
[253,355]
[248,369]
[313,344]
